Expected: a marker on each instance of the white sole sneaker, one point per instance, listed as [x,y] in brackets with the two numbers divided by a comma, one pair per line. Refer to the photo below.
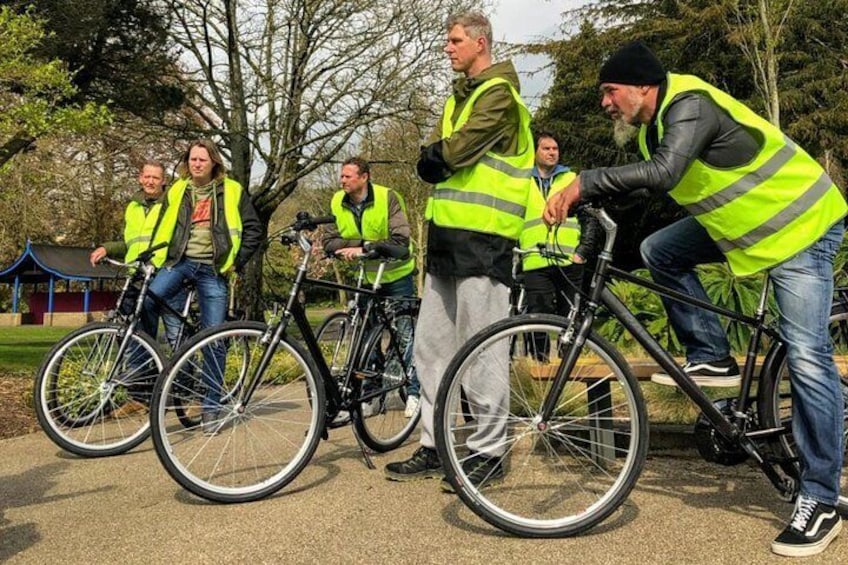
[700,380]
[789,550]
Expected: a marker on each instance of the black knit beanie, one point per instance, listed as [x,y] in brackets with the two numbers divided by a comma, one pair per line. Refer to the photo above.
[633,64]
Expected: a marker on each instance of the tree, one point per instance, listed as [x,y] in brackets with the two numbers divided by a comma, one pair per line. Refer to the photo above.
[34,92]
[287,85]
[117,51]
[759,33]
[705,38]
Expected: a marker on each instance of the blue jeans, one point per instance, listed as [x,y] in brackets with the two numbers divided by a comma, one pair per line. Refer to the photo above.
[211,298]
[172,323]
[404,287]
[671,255]
[803,288]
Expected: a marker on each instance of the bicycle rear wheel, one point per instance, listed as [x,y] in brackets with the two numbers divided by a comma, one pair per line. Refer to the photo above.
[83,411]
[379,417]
[244,450]
[554,478]
[774,400]
[334,337]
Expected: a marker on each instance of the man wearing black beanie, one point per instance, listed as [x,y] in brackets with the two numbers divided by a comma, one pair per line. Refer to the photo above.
[759,202]
[632,64]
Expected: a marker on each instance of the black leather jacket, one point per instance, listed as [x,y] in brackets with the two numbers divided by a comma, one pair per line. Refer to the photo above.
[694,128]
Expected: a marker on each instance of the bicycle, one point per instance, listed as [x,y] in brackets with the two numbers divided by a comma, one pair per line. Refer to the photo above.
[572,423]
[289,399]
[339,333]
[92,391]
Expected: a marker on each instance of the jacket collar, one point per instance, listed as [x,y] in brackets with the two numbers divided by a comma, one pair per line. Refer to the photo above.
[558,170]
[369,198]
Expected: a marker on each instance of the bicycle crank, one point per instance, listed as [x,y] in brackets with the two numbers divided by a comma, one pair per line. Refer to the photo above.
[711,445]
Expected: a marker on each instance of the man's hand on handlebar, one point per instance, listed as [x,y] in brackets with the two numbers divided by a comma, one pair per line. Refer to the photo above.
[97,255]
[561,203]
[350,253]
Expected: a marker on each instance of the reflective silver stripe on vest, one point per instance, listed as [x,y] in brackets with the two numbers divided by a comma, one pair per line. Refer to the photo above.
[570,223]
[479,198]
[506,168]
[747,182]
[235,231]
[560,249]
[139,239]
[782,219]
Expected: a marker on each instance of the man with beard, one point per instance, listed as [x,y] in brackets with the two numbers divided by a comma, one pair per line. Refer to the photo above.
[759,202]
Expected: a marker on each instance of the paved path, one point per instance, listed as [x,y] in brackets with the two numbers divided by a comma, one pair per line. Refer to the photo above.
[55,508]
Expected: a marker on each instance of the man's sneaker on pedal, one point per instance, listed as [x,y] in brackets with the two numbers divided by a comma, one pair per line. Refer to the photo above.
[481,470]
[724,372]
[811,529]
[424,464]
[367,409]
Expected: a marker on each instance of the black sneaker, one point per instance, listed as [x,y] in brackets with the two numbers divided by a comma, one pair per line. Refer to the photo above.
[481,470]
[812,527]
[724,372]
[424,464]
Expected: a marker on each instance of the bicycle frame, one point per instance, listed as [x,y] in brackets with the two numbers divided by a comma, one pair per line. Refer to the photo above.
[147,270]
[294,311]
[580,325]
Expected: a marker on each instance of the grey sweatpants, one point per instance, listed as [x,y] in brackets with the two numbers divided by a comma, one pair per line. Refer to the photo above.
[452,310]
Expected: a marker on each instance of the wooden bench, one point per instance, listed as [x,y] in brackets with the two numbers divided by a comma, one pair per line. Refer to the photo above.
[642,367]
[601,432]
[599,396]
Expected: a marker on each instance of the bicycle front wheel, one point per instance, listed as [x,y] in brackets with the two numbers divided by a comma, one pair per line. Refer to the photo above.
[90,401]
[550,478]
[258,431]
[379,416]
[775,399]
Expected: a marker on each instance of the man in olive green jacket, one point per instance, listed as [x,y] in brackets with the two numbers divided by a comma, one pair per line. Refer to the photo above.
[470,239]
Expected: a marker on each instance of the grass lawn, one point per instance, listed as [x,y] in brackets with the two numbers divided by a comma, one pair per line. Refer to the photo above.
[23,348]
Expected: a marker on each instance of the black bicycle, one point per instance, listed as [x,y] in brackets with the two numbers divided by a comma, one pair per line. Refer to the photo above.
[92,391]
[373,334]
[571,422]
[269,429]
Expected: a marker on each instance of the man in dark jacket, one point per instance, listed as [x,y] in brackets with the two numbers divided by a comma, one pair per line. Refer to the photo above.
[759,202]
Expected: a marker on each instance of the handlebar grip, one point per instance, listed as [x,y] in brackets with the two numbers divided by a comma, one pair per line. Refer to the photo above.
[306,222]
[145,255]
[389,250]
[320,220]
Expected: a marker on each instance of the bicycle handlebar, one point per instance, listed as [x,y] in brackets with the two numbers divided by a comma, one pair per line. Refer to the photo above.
[383,250]
[142,258]
[304,222]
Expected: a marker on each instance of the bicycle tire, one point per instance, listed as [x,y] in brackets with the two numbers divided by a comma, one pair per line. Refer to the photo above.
[388,427]
[253,450]
[557,479]
[333,337]
[774,399]
[75,405]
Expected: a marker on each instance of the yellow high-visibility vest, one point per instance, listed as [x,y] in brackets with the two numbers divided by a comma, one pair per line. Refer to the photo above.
[490,196]
[375,227]
[139,223]
[536,232]
[765,211]
[232,195]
